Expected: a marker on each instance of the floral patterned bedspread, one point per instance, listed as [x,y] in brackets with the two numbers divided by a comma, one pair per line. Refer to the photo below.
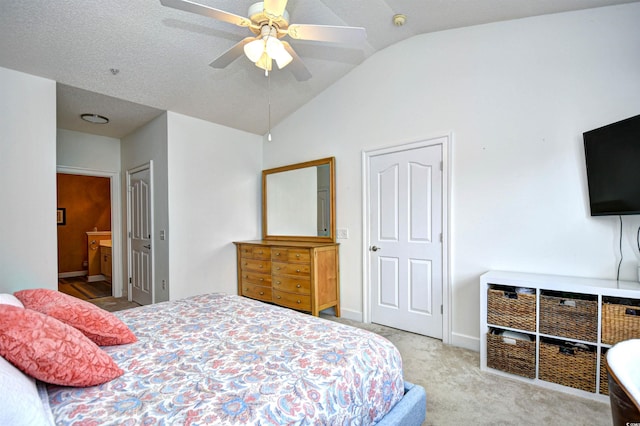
[220,359]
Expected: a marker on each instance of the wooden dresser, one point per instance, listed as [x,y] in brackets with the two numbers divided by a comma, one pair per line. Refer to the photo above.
[298,275]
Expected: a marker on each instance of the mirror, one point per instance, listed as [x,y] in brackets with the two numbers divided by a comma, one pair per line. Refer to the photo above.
[298,202]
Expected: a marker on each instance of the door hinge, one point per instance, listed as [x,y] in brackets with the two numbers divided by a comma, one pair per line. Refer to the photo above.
[441,310]
[441,166]
[129,280]
[441,237]
[129,234]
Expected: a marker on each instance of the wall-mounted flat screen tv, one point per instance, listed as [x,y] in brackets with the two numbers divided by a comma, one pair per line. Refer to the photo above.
[612,155]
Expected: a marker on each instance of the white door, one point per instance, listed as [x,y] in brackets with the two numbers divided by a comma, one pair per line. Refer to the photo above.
[405,239]
[140,232]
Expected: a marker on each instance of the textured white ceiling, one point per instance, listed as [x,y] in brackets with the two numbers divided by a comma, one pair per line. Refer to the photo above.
[163,54]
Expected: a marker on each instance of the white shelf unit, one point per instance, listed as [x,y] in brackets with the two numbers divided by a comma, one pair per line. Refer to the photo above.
[596,288]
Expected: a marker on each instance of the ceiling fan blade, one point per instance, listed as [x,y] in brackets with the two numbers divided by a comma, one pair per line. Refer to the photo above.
[210,12]
[297,67]
[327,33]
[232,54]
[275,8]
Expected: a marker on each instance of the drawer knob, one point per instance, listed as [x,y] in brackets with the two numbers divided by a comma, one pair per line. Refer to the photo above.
[297,270]
[277,268]
[298,286]
[278,297]
[297,255]
[261,279]
[277,253]
[299,301]
[261,293]
[278,282]
[260,266]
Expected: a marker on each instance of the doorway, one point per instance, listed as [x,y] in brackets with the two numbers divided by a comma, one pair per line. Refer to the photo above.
[72,279]
[405,237]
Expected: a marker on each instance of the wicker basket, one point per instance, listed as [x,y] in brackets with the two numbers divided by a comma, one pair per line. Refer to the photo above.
[511,309]
[569,317]
[619,322]
[567,365]
[517,357]
[604,378]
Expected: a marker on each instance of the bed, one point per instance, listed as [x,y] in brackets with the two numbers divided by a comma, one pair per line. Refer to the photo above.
[224,359]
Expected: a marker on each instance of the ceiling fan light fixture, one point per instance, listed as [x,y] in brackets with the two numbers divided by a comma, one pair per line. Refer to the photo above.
[275,49]
[264,62]
[254,50]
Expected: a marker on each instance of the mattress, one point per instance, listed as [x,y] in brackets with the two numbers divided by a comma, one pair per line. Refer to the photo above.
[224,359]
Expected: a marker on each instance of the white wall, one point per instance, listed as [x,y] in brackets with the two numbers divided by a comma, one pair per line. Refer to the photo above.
[149,143]
[516,96]
[27,182]
[85,151]
[94,155]
[214,199]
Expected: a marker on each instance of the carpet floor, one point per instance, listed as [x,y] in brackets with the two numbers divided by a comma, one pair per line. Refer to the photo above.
[458,393]
[113,304]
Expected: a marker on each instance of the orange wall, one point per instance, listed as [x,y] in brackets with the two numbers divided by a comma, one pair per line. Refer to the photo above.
[87,200]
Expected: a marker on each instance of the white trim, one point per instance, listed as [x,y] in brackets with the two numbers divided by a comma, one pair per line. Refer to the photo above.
[445,141]
[148,165]
[467,342]
[72,274]
[116,219]
[96,278]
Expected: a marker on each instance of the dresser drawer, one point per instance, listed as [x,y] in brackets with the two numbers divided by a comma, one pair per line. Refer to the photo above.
[249,277]
[261,266]
[278,268]
[299,285]
[257,292]
[250,251]
[291,300]
[290,255]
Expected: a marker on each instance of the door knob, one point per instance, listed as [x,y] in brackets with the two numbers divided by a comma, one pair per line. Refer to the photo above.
[374,248]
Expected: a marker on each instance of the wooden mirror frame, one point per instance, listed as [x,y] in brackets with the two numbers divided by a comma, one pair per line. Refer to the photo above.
[332,200]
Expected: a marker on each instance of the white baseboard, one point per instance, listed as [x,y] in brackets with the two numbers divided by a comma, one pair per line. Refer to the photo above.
[351,315]
[466,342]
[72,274]
[94,278]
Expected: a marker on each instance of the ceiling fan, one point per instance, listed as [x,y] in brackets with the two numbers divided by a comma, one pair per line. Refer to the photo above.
[269,22]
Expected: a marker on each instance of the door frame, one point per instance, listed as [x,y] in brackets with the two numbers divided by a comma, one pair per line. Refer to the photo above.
[444,141]
[116,220]
[148,165]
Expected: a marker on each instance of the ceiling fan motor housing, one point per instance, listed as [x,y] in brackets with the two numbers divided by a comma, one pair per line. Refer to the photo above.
[260,18]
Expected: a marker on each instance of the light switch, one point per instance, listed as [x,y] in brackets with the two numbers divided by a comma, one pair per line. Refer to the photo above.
[343,233]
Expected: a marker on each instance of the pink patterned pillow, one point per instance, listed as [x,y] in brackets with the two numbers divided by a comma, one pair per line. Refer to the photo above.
[102,327]
[51,351]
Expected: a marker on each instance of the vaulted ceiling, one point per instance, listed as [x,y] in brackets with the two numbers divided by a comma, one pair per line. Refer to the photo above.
[132,60]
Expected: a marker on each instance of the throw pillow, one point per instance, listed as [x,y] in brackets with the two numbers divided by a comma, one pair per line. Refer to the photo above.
[102,327]
[48,350]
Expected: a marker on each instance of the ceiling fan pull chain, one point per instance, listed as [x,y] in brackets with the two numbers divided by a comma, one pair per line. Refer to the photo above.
[269,102]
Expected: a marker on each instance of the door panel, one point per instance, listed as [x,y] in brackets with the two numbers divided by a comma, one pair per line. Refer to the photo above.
[140,232]
[405,208]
